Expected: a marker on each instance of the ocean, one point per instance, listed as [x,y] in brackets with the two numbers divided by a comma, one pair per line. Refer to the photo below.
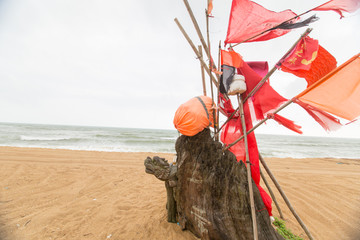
[154,140]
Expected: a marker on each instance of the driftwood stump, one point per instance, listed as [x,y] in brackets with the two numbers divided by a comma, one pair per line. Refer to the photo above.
[210,190]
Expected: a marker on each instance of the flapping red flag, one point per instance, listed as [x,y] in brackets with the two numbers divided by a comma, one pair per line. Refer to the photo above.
[285,122]
[339,6]
[266,98]
[309,60]
[303,55]
[248,19]
[338,92]
[327,121]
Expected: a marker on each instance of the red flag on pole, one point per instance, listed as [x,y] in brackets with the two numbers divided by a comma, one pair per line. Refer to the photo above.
[309,60]
[248,19]
[231,132]
[339,6]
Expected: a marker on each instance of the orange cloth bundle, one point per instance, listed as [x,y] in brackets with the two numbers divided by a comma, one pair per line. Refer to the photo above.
[194,116]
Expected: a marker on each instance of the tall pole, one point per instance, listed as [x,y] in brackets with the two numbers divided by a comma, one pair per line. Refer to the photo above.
[210,67]
[196,52]
[218,98]
[202,70]
[302,224]
[248,166]
[271,194]
[197,28]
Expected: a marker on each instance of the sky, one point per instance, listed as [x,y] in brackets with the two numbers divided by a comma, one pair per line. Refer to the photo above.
[126,64]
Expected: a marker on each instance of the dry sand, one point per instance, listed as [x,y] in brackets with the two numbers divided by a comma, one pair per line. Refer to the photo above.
[64,194]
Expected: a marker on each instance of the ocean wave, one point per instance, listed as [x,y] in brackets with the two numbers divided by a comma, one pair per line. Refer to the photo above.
[41,138]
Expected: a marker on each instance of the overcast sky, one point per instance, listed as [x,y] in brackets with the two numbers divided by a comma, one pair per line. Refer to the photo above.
[126,64]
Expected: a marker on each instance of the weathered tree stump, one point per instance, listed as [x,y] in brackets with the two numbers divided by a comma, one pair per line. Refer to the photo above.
[211,192]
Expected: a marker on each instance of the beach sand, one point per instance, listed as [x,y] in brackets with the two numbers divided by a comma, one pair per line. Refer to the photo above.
[64,194]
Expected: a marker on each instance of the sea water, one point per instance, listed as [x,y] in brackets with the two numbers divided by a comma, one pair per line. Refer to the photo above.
[154,140]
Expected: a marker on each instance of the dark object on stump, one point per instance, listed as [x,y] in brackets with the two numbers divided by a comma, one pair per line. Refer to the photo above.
[211,195]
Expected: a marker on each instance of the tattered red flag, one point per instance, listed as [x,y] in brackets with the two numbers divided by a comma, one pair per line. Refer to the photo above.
[309,60]
[327,121]
[266,98]
[248,19]
[339,6]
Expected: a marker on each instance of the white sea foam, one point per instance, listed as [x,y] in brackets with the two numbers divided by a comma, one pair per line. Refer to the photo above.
[41,138]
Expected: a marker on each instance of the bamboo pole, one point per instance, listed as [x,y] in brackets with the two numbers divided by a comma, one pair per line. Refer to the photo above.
[196,52]
[202,71]
[198,31]
[271,194]
[210,67]
[197,28]
[248,166]
[258,86]
[285,198]
[218,98]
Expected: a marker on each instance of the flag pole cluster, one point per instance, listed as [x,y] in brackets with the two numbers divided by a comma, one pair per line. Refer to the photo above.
[323,99]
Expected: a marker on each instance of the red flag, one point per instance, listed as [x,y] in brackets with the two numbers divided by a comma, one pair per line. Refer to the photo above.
[248,19]
[327,121]
[339,6]
[303,55]
[309,60]
[266,98]
[231,132]
[285,122]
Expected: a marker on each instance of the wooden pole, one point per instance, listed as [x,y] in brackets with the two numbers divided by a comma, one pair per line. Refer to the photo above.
[218,98]
[285,198]
[210,67]
[272,194]
[248,166]
[196,52]
[197,28]
[198,31]
[202,70]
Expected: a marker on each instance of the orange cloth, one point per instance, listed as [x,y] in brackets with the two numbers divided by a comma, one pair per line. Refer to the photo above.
[338,92]
[231,58]
[192,117]
[210,7]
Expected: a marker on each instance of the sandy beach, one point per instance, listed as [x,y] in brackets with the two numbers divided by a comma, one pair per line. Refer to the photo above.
[65,194]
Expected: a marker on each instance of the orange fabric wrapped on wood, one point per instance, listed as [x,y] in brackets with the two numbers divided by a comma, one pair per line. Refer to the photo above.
[194,116]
